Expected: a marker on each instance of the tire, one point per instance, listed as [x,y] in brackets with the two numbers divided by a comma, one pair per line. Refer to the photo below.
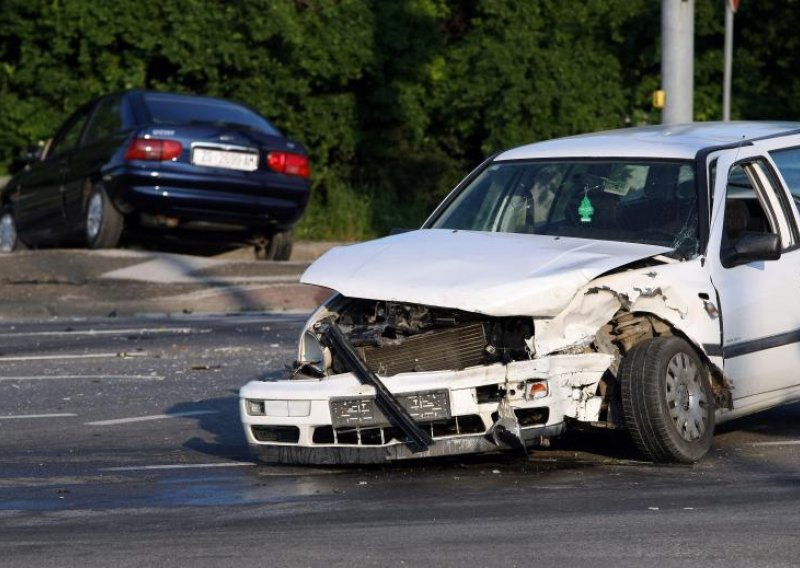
[667,400]
[279,247]
[103,222]
[9,239]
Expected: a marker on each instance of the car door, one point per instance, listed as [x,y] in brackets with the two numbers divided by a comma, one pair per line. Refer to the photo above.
[757,299]
[107,128]
[38,201]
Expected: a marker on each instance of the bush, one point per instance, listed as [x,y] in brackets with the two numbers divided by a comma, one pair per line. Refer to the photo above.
[395,99]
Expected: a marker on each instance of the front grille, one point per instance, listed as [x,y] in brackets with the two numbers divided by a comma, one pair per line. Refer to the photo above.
[457,425]
[453,348]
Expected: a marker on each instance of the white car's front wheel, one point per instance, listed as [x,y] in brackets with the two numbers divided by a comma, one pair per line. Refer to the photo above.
[667,400]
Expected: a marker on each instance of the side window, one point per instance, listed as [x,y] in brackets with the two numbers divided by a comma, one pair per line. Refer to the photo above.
[67,137]
[752,205]
[106,121]
[788,162]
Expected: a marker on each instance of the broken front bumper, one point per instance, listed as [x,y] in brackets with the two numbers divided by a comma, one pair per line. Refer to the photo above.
[333,420]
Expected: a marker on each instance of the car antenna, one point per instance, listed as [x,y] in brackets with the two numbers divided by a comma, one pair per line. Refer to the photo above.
[738,148]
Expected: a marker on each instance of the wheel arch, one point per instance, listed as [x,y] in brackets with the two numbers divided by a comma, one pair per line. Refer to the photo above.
[627,328]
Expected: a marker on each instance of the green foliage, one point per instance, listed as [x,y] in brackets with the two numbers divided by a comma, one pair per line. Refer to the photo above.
[343,213]
[395,99]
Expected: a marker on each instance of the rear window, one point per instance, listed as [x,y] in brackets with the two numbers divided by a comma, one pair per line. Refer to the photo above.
[175,109]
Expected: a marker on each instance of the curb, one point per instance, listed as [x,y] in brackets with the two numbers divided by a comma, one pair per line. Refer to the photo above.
[45,284]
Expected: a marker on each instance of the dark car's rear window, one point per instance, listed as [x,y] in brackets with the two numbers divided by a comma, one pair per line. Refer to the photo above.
[176,109]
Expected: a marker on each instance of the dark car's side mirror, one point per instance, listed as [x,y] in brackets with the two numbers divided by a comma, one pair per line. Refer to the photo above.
[31,154]
[34,153]
[753,246]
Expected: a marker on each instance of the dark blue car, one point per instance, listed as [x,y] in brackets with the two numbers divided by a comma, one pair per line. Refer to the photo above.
[159,164]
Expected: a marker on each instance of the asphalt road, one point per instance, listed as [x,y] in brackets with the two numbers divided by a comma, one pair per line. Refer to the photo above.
[120,446]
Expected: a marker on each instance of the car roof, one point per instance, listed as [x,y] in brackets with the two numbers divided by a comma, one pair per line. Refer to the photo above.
[670,141]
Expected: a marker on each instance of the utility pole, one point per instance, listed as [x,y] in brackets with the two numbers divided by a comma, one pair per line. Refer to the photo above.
[677,60]
[730,9]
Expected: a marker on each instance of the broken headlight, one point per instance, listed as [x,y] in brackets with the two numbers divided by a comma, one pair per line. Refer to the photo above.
[312,354]
[536,389]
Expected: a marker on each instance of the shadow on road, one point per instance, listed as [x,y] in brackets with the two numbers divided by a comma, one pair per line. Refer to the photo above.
[225,437]
[586,448]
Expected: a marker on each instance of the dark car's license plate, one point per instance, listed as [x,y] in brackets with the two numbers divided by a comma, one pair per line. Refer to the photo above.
[243,161]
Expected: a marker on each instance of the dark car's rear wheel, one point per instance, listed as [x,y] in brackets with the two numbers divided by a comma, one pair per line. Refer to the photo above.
[9,239]
[103,222]
[667,400]
[278,247]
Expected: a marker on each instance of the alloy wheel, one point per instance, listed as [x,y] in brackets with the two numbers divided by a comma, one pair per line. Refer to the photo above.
[8,233]
[94,216]
[686,398]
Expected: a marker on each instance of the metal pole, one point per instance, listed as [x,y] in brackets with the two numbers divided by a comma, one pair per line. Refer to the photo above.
[677,60]
[726,81]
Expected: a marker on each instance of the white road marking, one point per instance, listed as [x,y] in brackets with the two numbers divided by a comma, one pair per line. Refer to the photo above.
[116,421]
[90,332]
[78,377]
[118,354]
[59,415]
[165,268]
[784,443]
[177,466]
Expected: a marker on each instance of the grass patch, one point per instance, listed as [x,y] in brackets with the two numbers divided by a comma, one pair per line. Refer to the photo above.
[340,212]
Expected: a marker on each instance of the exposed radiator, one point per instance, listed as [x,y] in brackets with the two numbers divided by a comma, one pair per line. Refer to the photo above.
[451,348]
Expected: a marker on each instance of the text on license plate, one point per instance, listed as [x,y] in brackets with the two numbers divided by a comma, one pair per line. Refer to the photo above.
[422,407]
[244,161]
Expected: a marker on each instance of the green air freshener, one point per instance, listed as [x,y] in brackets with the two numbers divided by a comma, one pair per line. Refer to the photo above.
[586,210]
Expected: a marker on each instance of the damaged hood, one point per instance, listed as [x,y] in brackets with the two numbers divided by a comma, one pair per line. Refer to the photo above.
[497,274]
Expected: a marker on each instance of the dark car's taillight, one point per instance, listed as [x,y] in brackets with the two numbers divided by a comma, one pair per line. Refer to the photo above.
[153,149]
[289,164]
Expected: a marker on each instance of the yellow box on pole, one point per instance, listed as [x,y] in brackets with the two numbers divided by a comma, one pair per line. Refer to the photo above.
[659,99]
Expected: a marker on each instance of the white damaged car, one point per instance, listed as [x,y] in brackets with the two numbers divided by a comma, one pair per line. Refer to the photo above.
[643,279]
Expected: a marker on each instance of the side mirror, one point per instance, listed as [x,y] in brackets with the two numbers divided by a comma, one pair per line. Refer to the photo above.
[753,246]
[31,154]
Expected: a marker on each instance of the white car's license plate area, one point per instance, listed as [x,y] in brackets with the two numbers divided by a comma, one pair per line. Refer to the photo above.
[428,406]
[227,159]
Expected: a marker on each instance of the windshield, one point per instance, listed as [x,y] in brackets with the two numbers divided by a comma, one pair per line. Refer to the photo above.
[178,109]
[653,202]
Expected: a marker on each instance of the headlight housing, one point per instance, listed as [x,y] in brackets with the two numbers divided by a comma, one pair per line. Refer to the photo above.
[281,408]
